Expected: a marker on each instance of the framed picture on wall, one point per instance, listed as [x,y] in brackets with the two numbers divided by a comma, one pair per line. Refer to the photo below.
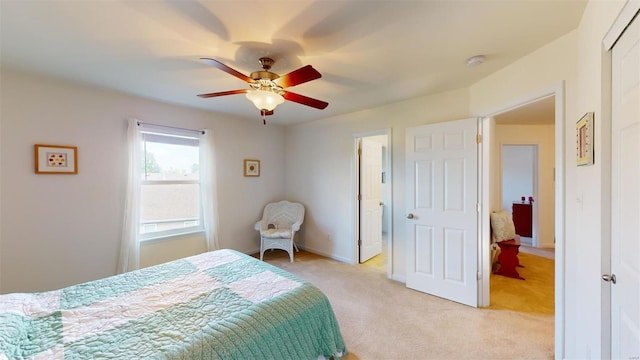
[251,167]
[584,139]
[56,159]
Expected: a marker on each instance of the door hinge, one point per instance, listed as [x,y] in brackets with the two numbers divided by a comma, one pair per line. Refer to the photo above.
[359,197]
[479,275]
[359,242]
[479,138]
[478,207]
[359,151]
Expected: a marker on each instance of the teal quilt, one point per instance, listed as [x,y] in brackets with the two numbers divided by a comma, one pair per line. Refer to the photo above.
[217,305]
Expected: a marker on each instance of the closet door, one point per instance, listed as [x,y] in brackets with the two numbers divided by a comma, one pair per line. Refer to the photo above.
[625,196]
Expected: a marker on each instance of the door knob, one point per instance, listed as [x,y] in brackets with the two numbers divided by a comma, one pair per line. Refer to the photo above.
[607,277]
[410,216]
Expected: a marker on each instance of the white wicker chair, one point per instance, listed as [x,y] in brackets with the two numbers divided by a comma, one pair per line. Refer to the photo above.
[278,227]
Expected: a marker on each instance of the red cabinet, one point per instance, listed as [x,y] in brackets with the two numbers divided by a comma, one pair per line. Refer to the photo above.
[522,219]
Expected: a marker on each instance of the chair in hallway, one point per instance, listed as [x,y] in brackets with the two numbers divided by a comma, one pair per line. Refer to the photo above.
[280,222]
[505,245]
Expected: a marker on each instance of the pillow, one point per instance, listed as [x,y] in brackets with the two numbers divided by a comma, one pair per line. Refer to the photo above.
[276,233]
[502,226]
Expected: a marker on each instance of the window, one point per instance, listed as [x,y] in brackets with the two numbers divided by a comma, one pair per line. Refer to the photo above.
[170,184]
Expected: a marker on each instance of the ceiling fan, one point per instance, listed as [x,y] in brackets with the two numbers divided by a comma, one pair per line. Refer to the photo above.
[267,89]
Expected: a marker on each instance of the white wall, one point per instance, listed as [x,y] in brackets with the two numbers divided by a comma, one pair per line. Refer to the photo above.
[543,136]
[529,75]
[320,164]
[58,230]
[517,173]
[576,58]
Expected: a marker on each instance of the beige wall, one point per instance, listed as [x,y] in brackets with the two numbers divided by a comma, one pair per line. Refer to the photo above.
[58,230]
[543,136]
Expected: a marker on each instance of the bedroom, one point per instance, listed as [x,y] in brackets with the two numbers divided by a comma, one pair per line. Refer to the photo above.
[48,245]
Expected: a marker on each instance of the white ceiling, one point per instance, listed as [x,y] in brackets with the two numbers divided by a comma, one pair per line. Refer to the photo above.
[540,112]
[369,52]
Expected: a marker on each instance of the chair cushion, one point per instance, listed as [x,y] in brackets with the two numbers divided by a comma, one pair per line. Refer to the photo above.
[276,233]
[502,226]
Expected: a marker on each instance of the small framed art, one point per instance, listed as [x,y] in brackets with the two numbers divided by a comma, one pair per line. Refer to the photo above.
[584,140]
[251,167]
[55,159]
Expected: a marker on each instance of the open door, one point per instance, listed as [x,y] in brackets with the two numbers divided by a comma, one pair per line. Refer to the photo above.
[442,210]
[370,199]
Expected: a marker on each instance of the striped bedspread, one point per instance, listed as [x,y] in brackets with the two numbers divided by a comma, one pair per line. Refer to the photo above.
[217,305]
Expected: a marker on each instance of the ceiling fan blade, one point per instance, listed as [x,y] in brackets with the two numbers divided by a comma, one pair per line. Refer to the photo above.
[228,70]
[304,100]
[297,77]
[223,93]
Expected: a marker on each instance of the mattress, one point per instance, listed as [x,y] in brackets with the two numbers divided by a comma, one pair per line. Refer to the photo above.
[217,305]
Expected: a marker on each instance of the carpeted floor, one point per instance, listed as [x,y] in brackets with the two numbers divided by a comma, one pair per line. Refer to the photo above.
[533,295]
[382,319]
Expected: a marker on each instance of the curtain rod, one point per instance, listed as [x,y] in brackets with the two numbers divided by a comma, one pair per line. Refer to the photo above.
[170,127]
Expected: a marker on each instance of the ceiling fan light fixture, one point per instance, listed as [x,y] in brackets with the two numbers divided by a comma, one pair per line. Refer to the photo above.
[266,89]
[265,99]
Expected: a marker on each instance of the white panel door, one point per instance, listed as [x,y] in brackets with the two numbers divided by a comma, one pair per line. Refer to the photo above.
[625,188]
[371,199]
[442,210]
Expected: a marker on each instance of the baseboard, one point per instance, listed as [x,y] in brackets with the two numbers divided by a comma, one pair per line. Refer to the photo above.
[398,278]
[253,251]
[526,241]
[325,254]
[314,251]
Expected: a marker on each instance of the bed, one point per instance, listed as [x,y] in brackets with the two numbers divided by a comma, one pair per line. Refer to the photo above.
[217,305]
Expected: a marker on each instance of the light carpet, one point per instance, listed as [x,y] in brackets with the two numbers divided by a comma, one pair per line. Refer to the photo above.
[382,319]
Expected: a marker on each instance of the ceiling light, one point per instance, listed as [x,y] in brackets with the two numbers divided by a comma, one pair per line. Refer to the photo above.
[475,60]
[265,99]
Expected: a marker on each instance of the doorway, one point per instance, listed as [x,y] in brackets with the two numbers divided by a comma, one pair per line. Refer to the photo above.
[519,186]
[373,203]
[553,236]
[526,156]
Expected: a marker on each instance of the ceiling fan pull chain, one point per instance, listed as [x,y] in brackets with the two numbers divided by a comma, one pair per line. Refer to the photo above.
[264,116]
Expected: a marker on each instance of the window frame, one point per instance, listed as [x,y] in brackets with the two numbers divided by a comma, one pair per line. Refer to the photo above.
[174,137]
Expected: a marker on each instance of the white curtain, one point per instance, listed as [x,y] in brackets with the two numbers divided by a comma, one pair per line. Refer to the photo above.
[130,243]
[208,190]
